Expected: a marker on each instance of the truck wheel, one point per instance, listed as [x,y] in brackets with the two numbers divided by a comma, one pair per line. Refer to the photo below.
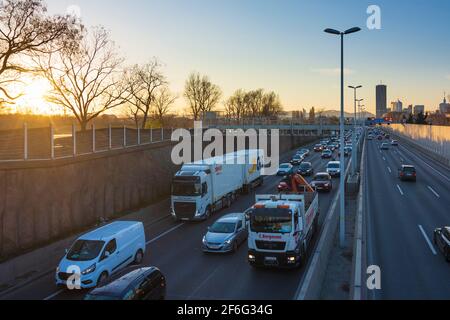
[228,202]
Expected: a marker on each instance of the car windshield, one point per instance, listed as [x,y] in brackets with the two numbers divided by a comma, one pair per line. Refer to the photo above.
[321,178]
[305,166]
[85,250]
[409,169]
[334,166]
[223,227]
[271,220]
[186,189]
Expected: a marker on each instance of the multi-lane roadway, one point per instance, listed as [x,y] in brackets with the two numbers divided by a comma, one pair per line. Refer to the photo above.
[175,248]
[401,218]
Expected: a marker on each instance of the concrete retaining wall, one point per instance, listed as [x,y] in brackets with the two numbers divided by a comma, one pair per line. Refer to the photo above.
[44,201]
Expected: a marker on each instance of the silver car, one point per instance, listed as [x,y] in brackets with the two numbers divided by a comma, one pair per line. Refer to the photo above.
[226,235]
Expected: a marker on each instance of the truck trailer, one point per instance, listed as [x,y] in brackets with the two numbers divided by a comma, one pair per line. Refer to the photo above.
[201,188]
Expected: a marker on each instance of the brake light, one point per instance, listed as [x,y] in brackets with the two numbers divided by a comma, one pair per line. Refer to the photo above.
[259,206]
[283,207]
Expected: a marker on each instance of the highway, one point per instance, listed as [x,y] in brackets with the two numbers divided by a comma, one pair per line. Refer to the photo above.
[175,248]
[401,218]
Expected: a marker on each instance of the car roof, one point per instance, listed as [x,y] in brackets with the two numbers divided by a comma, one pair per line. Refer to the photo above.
[322,174]
[232,217]
[405,166]
[109,231]
[118,287]
[334,162]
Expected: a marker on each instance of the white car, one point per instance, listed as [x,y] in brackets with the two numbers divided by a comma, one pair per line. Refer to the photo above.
[334,168]
[97,255]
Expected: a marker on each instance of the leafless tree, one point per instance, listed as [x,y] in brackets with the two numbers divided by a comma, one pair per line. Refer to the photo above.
[271,105]
[201,94]
[26,29]
[163,102]
[142,84]
[236,106]
[85,80]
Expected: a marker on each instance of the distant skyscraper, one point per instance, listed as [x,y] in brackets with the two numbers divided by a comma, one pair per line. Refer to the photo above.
[444,107]
[381,100]
[397,106]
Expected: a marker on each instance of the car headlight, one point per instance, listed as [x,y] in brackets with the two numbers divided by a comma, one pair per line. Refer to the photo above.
[204,241]
[58,269]
[89,270]
[228,242]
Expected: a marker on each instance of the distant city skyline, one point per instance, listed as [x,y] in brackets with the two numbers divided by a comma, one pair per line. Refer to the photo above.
[281,46]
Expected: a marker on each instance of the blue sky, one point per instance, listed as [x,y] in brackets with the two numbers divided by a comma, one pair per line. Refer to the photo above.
[280,45]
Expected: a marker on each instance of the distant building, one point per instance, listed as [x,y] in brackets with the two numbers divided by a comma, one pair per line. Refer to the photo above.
[419,109]
[444,107]
[397,106]
[408,110]
[381,92]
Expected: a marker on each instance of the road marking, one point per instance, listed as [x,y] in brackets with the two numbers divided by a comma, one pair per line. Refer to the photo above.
[389,169]
[427,240]
[54,295]
[384,158]
[400,189]
[164,234]
[438,172]
[435,193]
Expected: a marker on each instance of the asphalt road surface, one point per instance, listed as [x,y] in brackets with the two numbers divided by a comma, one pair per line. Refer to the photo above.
[401,218]
[175,248]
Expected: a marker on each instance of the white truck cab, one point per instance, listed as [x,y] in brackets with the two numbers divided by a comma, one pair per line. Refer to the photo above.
[202,188]
[281,228]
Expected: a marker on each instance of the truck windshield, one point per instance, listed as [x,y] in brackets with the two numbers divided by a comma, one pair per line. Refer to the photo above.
[85,250]
[271,220]
[186,189]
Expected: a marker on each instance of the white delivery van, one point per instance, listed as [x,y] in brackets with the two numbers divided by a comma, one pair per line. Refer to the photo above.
[100,253]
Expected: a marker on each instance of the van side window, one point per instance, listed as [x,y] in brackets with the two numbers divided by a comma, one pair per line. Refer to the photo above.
[111,247]
[239,225]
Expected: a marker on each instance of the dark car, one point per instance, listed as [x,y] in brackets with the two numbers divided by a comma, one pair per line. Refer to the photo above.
[139,284]
[306,169]
[442,241]
[322,182]
[327,154]
[304,152]
[318,148]
[407,173]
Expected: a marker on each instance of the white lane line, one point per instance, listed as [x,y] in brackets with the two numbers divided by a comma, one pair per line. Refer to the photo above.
[384,158]
[164,234]
[400,189]
[427,240]
[434,192]
[50,297]
[389,169]
[435,170]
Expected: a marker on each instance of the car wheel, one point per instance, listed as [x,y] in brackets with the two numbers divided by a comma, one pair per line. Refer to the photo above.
[102,278]
[138,257]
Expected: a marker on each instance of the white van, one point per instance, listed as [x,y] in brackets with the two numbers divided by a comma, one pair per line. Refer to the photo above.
[98,254]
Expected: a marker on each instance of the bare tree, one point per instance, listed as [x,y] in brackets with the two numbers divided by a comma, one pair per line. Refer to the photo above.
[201,94]
[27,29]
[236,106]
[85,80]
[163,102]
[142,83]
[271,105]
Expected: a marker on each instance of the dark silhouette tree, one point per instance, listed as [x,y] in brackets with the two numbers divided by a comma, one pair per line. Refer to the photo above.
[201,94]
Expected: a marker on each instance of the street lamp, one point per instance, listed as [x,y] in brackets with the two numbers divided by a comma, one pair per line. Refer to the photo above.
[342,128]
[354,133]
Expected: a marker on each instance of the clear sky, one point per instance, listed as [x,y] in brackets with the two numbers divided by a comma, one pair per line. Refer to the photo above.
[280,45]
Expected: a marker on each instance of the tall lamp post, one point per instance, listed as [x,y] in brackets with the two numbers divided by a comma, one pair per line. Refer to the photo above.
[342,129]
[354,132]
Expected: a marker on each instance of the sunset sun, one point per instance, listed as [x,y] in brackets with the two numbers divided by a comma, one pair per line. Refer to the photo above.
[34,98]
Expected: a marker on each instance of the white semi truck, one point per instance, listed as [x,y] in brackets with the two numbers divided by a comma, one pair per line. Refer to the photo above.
[201,188]
[281,229]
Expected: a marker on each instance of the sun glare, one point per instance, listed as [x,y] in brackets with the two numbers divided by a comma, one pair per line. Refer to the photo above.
[33,100]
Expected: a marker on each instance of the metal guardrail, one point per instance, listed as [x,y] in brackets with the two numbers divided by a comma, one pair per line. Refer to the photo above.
[49,144]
